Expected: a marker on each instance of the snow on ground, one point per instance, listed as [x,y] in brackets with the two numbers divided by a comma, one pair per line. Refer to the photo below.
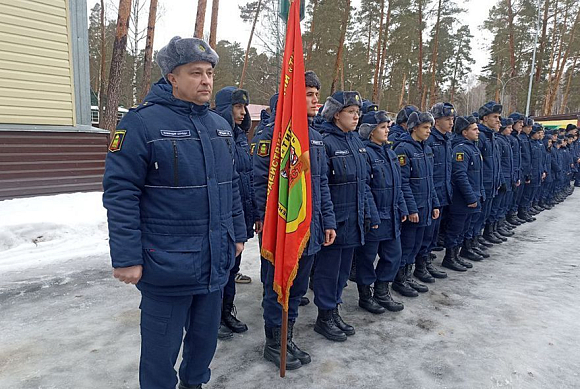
[39,231]
[511,322]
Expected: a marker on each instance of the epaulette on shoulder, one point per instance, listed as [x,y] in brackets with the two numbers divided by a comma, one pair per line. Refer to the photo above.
[139,107]
[270,124]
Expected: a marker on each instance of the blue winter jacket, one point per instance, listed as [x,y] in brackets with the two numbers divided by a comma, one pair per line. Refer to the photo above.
[467,176]
[243,159]
[441,145]
[385,183]
[489,148]
[537,163]
[322,213]
[395,133]
[348,182]
[508,171]
[416,161]
[172,196]
[526,149]
[516,145]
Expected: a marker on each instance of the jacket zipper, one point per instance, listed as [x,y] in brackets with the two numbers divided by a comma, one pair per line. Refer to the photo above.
[175,165]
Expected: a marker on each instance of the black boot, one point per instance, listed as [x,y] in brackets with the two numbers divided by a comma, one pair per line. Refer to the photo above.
[184,386]
[272,350]
[512,219]
[224,332]
[302,356]
[367,301]
[229,316]
[346,328]
[494,231]
[421,270]
[432,269]
[489,235]
[481,240]
[352,275]
[304,301]
[326,326]
[412,283]
[468,253]
[459,260]
[502,230]
[479,250]
[383,296]
[449,260]
[401,286]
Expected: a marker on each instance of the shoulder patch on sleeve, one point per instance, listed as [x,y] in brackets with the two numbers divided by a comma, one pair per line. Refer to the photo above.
[117,141]
[264,148]
[402,159]
[459,157]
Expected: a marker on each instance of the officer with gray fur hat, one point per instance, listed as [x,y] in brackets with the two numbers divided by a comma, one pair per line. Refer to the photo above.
[167,154]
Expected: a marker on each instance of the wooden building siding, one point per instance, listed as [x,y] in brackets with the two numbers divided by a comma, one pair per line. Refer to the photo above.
[41,163]
[36,70]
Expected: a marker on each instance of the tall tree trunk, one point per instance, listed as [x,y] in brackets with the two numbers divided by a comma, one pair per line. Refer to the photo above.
[340,51]
[384,50]
[402,95]
[379,54]
[498,81]
[455,69]
[200,18]
[311,43]
[117,62]
[567,92]
[103,64]
[135,50]
[552,77]
[258,7]
[369,36]
[148,59]
[214,22]
[540,59]
[511,38]
[432,94]
[560,71]
[420,66]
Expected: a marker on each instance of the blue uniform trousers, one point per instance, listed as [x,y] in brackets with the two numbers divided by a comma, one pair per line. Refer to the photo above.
[457,228]
[508,202]
[430,236]
[517,200]
[230,288]
[411,239]
[496,212]
[272,309]
[331,272]
[482,217]
[163,319]
[529,195]
[389,252]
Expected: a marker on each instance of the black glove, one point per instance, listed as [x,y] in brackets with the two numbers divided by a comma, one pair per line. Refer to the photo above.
[367,226]
[502,188]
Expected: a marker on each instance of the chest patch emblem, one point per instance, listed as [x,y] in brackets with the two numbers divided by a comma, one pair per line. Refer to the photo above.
[224,133]
[341,152]
[117,141]
[402,159]
[264,148]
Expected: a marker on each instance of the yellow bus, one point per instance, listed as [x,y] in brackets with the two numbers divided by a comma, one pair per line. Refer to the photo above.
[553,122]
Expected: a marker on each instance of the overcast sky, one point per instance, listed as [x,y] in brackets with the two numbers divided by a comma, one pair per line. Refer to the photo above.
[179,19]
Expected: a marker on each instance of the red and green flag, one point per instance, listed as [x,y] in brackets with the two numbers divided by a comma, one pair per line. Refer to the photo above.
[289,205]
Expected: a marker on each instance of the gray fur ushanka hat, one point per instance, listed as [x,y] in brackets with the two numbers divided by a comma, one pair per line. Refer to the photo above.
[180,51]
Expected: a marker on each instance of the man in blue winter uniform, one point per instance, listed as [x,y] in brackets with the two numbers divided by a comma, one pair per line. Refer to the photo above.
[353,206]
[516,145]
[509,178]
[232,105]
[537,169]
[440,143]
[468,192]
[416,161]
[385,183]
[175,216]
[526,169]
[322,233]
[400,127]
[489,117]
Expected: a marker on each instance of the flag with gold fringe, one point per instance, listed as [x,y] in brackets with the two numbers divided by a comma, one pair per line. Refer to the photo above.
[289,205]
